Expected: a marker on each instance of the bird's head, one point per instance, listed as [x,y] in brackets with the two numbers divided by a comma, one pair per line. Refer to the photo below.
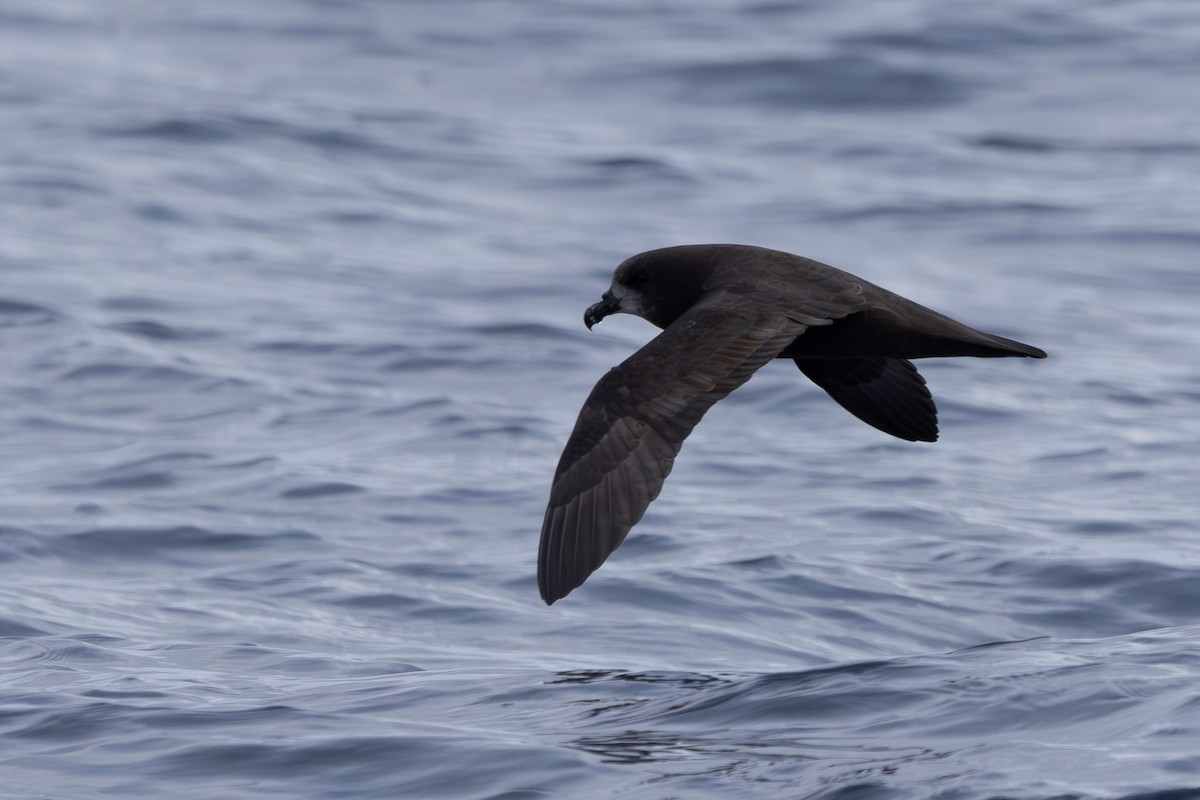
[657,286]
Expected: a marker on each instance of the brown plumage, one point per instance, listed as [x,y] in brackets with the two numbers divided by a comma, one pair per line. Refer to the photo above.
[727,310]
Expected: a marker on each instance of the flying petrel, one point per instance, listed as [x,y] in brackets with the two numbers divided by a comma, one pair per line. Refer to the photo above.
[727,310]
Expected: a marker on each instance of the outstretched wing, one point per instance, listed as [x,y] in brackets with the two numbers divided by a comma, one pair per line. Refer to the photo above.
[887,393]
[634,422]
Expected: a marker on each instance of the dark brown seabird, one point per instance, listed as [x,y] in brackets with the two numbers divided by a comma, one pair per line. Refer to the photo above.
[727,310]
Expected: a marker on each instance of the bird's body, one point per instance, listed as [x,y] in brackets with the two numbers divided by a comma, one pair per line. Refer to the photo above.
[727,310]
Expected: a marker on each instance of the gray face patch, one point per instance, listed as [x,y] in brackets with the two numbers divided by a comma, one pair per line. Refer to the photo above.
[631,300]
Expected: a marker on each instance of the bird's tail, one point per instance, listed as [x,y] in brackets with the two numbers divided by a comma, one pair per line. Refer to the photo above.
[989,345]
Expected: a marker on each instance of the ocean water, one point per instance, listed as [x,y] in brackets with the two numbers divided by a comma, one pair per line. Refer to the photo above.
[290,341]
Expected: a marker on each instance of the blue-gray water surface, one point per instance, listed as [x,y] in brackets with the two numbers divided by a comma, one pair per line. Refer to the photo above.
[290,341]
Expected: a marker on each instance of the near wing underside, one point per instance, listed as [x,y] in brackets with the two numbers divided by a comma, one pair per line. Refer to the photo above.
[634,422]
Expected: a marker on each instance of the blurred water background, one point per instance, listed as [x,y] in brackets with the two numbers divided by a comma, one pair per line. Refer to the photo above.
[290,340]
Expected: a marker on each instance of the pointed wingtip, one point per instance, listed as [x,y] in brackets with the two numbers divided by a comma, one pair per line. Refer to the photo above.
[547,594]
[548,597]
[554,587]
